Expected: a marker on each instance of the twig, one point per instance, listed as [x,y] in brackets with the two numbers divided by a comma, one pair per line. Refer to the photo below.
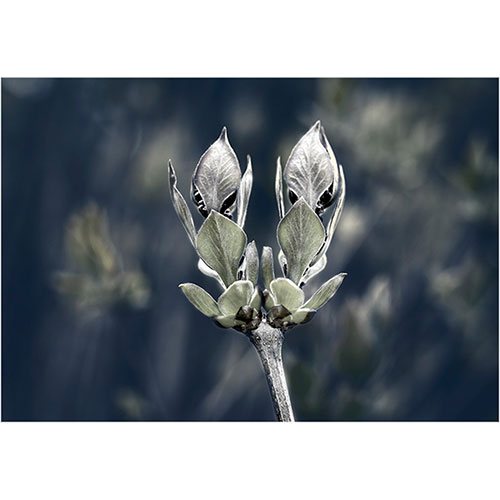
[268,342]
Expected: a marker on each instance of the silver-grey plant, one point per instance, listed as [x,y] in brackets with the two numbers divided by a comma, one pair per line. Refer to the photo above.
[315,183]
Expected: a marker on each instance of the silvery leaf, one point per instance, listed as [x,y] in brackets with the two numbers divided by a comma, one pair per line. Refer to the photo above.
[220,243]
[200,299]
[278,186]
[180,205]
[252,263]
[335,217]
[309,171]
[216,178]
[314,269]
[208,271]
[328,196]
[325,292]
[287,293]
[302,315]
[237,295]
[267,266]
[300,235]
[244,193]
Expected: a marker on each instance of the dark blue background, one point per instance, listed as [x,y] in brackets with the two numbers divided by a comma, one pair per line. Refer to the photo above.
[411,335]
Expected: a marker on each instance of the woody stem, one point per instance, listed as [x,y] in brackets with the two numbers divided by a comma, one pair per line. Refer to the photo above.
[268,342]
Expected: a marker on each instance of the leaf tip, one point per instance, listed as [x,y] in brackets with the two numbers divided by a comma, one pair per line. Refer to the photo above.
[171,172]
[223,134]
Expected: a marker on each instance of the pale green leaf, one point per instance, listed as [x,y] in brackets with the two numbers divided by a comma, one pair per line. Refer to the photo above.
[325,292]
[300,235]
[228,321]
[200,299]
[302,315]
[237,295]
[256,300]
[220,243]
[252,263]
[269,300]
[267,266]
[244,193]
[287,293]
[180,205]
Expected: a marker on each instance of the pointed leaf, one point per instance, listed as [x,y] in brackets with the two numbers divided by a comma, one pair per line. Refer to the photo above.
[267,266]
[335,217]
[180,205]
[252,263]
[216,178]
[244,193]
[300,235]
[208,271]
[237,295]
[325,292]
[200,299]
[220,243]
[309,171]
[287,293]
[278,186]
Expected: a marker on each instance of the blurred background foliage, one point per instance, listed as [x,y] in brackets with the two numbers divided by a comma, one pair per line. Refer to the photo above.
[94,326]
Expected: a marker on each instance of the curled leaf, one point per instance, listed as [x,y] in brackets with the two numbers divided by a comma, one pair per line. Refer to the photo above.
[287,293]
[208,271]
[282,262]
[300,235]
[220,243]
[314,269]
[180,205]
[278,312]
[244,193]
[237,295]
[200,299]
[250,317]
[325,292]
[216,178]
